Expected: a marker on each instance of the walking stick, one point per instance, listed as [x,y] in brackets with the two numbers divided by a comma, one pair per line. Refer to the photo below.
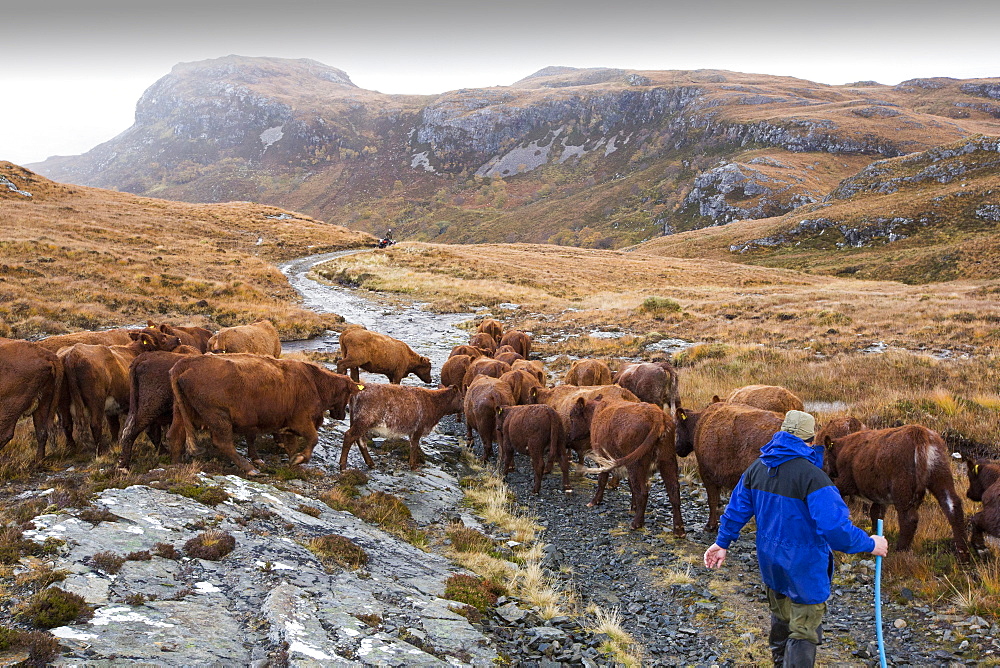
[878,602]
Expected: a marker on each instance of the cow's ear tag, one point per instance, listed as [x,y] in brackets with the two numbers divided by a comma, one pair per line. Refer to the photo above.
[361,387]
[684,417]
[975,469]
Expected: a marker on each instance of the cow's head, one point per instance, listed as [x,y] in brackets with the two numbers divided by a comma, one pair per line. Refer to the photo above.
[580,417]
[423,369]
[686,422]
[154,339]
[983,473]
[831,447]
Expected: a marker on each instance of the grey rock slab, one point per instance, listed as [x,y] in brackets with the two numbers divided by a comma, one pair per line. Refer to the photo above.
[91,586]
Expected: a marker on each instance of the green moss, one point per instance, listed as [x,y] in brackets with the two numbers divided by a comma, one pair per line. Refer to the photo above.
[471,590]
[210,495]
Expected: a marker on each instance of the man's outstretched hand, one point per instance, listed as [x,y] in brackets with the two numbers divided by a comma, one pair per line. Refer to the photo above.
[715,556]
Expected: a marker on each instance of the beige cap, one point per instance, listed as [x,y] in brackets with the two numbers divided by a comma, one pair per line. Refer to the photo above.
[799,423]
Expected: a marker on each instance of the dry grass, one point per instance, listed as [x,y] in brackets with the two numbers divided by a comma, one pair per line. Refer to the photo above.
[622,645]
[83,258]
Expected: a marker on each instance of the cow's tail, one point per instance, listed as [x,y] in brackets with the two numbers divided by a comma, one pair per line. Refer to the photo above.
[674,396]
[58,378]
[927,454]
[135,387]
[606,464]
[183,411]
[71,378]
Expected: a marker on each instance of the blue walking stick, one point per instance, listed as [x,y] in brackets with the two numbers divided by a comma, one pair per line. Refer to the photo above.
[878,602]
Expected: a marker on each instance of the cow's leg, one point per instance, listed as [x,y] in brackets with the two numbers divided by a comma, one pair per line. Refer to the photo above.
[222,438]
[176,436]
[8,424]
[951,505]
[908,518]
[350,438]
[311,438]
[640,493]
[714,497]
[114,426]
[252,453]
[602,482]
[668,473]
[538,466]
[41,420]
[876,512]
[96,410]
[154,432]
[976,522]
[416,454]
[506,457]
[65,412]
[564,464]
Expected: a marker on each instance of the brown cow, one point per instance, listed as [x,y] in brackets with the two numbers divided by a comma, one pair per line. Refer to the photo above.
[588,372]
[529,430]
[897,466]
[196,337]
[839,426]
[453,370]
[652,382]
[382,354]
[519,341]
[766,397]
[484,342]
[562,399]
[397,411]
[151,400]
[521,385]
[491,327]
[484,366]
[253,394]
[108,337]
[726,439]
[534,367]
[482,400]
[983,477]
[30,376]
[466,349]
[97,384]
[258,338]
[638,436]
[507,354]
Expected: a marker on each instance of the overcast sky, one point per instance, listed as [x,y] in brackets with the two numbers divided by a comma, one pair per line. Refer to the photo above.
[72,71]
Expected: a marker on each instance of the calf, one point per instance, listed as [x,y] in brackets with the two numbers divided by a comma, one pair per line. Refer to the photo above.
[397,411]
[30,376]
[97,382]
[466,349]
[638,436]
[491,327]
[519,341]
[837,427]
[484,366]
[766,397]
[529,430]
[195,337]
[897,467]
[983,477]
[258,338]
[484,342]
[253,394]
[507,354]
[151,400]
[726,439]
[454,368]
[521,384]
[563,397]
[485,396]
[534,367]
[588,372]
[382,354]
[654,383]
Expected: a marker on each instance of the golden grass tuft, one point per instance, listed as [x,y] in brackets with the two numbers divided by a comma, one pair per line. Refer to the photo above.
[622,645]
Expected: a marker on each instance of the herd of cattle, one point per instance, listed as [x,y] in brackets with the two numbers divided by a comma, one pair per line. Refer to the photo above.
[235,382]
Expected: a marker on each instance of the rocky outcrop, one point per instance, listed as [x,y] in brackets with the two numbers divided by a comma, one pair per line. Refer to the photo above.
[736,191]
[864,233]
[990,90]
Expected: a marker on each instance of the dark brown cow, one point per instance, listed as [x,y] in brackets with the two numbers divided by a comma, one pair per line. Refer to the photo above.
[484,342]
[563,397]
[983,478]
[382,354]
[507,354]
[97,383]
[837,427]
[638,436]
[30,376]
[482,400]
[258,338]
[253,394]
[519,341]
[151,400]
[534,367]
[484,366]
[530,430]
[766,397]
[397,411]
[897,466]
[491,327]
[522,385]
[726,439]
[652,382]
[196,337]
[588,372]
[453,370]
[466,349]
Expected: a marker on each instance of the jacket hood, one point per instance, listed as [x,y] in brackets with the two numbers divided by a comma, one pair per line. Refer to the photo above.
[784,446]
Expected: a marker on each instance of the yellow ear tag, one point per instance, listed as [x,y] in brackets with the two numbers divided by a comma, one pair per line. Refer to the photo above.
[361,387]
[975,469]
[684,417]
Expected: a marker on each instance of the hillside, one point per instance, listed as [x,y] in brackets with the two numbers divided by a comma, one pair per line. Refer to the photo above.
[927,216]
[592,157]
[83,258]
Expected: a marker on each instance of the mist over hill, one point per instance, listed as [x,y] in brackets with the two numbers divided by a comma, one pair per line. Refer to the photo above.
[594,157]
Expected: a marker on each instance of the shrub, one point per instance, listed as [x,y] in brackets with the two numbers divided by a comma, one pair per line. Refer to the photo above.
[659,305]
[312,511]
[353,477]
[210,496]
[141,555]
[211,545]
[338,549]
[167,551]
[467,611]
[54,607]
[42,647]
[97,515]
[109,562]
[337,499]
[467,539]
[471,590]
[136,599]
[13,545]
[703,351]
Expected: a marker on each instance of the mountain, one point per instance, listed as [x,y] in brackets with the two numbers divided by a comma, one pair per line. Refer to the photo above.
[83,258]
[596,157]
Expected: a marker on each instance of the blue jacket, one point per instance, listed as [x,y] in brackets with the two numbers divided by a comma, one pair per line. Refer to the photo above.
[800,517]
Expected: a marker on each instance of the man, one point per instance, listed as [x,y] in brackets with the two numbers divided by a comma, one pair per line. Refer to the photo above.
[801,518]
